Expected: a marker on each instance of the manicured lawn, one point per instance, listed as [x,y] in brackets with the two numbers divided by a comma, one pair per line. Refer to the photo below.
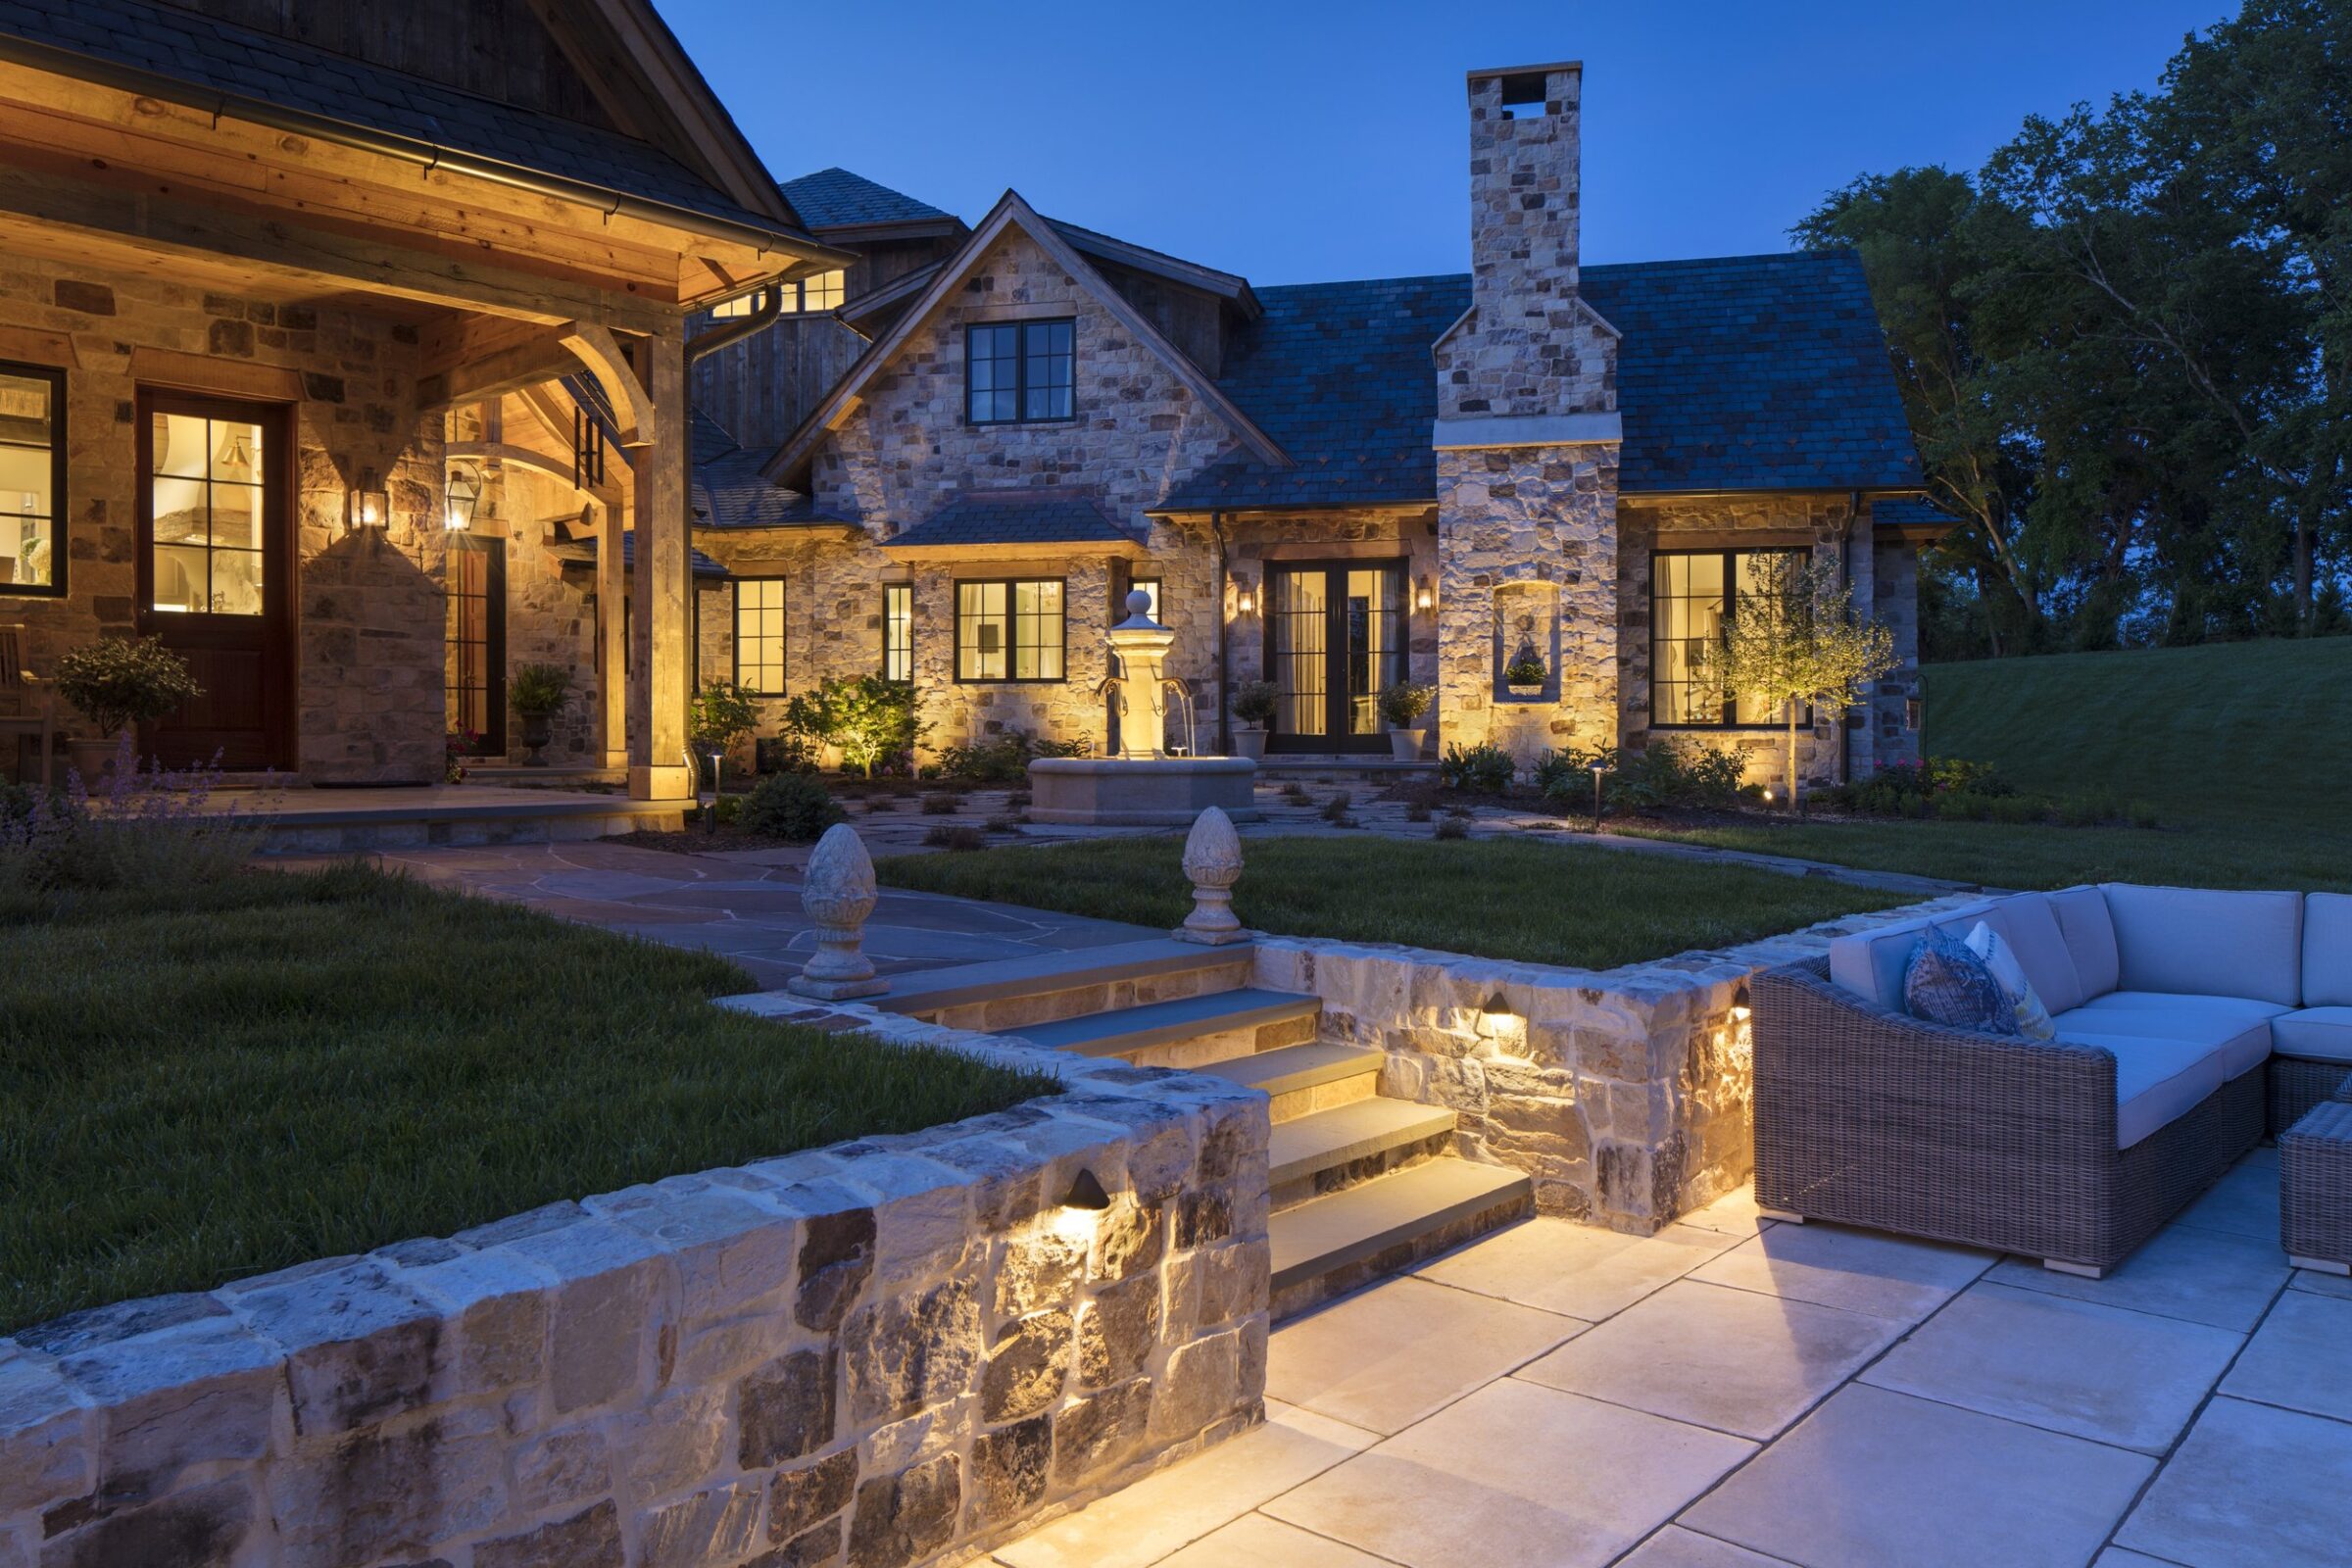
[1555,903]
[2243,749]
[222,1081]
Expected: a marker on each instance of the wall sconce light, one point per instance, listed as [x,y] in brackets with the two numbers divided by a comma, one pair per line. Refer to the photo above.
[366,507]
[1425,598]
[1244,603]
[461,491]
[1493,1015]
[1086,1195]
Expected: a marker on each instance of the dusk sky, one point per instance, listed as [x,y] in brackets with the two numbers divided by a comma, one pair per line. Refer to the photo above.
[1293,142]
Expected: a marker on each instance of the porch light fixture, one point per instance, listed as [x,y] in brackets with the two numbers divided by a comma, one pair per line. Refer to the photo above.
[1424,597]
[1244,603]
[366,506]
[461,491]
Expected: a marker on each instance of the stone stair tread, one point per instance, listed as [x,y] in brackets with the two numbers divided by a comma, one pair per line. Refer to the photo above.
[1323,1139]
[1329,1232]
[1160,1023]
[966,983]
[1289,1068]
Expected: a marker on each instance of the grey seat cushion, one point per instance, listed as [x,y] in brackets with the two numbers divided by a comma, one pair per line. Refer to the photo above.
[2236,1029]
[2328,950]
[2316,1034]
[2197,942]
[2157,1082]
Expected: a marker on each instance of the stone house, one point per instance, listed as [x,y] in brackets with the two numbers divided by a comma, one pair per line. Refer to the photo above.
[344,349]
[950,461]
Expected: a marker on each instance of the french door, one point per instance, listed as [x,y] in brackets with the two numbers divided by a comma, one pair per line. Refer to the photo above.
[1335,639]
[477,657]
[213,575]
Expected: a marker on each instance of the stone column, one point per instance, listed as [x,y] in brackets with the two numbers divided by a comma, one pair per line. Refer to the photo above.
[1142,646]
[612,649]
[658,765]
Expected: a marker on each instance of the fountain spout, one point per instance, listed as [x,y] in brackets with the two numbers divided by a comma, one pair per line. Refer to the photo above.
[1142,646]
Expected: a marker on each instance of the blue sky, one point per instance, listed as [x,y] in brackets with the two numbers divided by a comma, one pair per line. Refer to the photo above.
[1295,142]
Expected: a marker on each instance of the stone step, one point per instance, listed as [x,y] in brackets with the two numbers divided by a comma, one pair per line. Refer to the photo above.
[1186,1031]
[1300,1080]
[1328,1141]
[1008,992]
[1330,1245]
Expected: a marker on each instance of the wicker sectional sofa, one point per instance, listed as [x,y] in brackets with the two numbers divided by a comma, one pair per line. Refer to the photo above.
[2189,1023]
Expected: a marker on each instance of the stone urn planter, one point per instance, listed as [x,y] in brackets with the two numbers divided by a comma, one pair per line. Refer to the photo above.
[1249,740]
[538,693]
[1408,744]
[535,731]
[90,757]
[1524,691]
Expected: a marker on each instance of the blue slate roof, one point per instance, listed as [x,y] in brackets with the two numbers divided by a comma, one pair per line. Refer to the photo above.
[835,198]
[1911,511]
[585,551]
[728,490]
[1021,517]
[220,57]
[1755,372]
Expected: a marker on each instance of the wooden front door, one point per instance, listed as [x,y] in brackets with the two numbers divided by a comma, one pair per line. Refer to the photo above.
[478,644]
[1335,640]
[214,574]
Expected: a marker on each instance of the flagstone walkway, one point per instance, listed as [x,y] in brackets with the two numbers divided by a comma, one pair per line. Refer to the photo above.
[1735,1394]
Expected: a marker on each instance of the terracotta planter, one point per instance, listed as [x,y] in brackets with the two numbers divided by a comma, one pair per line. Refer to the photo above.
[1249,740]
[1408,742]
[92,759]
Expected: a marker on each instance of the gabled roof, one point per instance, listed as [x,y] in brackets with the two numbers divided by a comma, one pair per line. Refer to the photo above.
[1229,286]
[583,551]
[219,63]
[1915,515]
[727,490]
[1014,517]
[835,198]
[1736,374]
[1011,213]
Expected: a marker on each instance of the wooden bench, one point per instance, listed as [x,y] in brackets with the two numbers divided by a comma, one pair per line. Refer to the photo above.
[28,704]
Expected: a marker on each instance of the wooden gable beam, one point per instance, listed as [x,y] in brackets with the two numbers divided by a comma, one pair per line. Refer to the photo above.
[478,357]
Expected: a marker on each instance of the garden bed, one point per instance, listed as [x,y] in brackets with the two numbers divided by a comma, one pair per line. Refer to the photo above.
[199,1083]
[1539,902]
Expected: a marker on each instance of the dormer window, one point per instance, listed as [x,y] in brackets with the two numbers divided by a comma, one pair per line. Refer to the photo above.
[1523,95]
[808,296]
[1016,373]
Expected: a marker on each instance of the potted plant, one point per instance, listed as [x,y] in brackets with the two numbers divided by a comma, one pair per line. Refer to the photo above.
[117,681]
[538,693]
[1524,675]
[1254,704]
[1402,706]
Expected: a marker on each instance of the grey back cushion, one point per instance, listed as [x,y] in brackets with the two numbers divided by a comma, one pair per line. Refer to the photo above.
[2090,934]
[2328,950]
[1871,963]
[2199,941]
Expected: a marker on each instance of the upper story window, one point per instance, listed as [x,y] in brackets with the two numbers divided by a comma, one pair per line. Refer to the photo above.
[809,296]
[1693,594]
[32,479]
[1018,372]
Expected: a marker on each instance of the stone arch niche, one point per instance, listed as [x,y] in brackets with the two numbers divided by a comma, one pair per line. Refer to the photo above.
[1526,620]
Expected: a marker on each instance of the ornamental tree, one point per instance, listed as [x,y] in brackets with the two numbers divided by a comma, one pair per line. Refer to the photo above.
[1797,639]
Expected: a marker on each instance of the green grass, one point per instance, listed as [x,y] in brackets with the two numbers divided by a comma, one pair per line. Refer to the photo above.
[2243,749]
[224,1080]
[1539,902]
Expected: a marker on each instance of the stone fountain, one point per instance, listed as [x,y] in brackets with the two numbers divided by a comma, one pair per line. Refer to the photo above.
[1143,786]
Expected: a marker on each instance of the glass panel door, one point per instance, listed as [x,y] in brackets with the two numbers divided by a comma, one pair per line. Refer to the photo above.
[1300,625]
[1336,639]
[1375,650]
[476,667]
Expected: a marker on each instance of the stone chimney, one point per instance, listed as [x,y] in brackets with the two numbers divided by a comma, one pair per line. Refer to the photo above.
[1521,353]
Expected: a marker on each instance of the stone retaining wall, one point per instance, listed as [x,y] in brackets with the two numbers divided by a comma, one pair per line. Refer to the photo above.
[888,1351]
[1625,1094]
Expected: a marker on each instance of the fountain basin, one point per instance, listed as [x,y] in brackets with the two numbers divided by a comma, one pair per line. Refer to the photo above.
[1141,791]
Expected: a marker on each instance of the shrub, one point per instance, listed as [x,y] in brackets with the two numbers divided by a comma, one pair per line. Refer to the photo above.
[789,752]
[155,831]
[1004,822]
[1405,702]
[792,807]
[539,691]
[1255,702]
[881,803]
[1295,792]
[1452,827]
[1567,774]
[1524,669]
[118,681]
[1484,768]
[1002,760]
[1336,808]
[1417,811]
[955,836]
[871,721]
[722,713]
[939,804]
[1661,775]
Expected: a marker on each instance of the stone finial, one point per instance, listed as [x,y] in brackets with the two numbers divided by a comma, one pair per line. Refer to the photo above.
[1212,859]
[837,892]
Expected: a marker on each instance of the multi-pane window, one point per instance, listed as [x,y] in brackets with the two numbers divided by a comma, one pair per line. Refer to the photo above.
[759,634]
[1019,370]
[476,644]
[1009,630]
[32,477]
[809,296]
[1693,595]
[897,631]
[208,514]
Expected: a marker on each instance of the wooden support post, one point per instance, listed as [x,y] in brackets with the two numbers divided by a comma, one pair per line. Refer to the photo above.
[659,767]
[612,634]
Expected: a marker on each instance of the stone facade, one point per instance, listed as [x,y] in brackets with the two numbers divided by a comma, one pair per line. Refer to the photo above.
[1626,1093]
[892,1351]
[368,616]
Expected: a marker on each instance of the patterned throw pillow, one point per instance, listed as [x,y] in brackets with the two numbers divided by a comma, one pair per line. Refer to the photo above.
[1945,983]
[2032,1018]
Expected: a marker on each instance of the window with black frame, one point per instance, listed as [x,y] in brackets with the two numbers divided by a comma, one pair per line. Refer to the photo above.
[1009,632]
[760,635]
[897,631]
[32,479]
[1693,595]
[1016,373]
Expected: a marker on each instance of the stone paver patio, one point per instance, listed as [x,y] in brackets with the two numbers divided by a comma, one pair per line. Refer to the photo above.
[1736,1394]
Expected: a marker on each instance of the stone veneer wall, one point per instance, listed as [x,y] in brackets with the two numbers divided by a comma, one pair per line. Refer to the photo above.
[1625,1094]
[890,1351]
[368,698]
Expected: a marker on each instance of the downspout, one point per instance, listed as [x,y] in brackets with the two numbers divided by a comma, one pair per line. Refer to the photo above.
[1846,577]
[1216,524]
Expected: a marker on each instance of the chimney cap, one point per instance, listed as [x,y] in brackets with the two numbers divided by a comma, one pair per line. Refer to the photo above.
[1577,66]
